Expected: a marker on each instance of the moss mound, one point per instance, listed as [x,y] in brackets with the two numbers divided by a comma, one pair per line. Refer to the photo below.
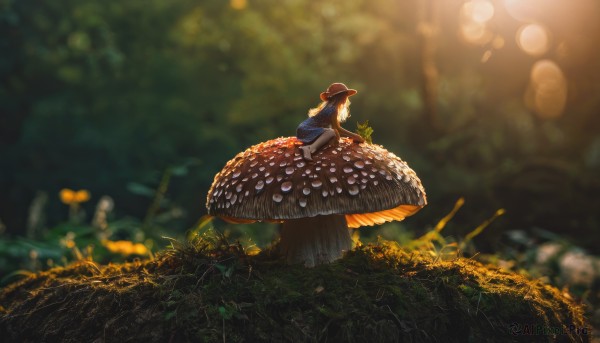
[215,292]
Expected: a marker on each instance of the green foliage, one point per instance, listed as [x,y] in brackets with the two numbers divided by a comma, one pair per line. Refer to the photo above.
[84,81]
[65,244]
[365,131]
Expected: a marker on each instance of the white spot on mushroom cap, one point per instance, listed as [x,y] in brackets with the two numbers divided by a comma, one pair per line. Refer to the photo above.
[302,202]
[353,190]
[306,191]
[316,183]
[289,170]
[359,164]
[259,185]
[286,186]
[277,197]
[348,170]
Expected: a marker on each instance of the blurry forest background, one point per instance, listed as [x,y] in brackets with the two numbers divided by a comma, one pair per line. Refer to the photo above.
[140,103]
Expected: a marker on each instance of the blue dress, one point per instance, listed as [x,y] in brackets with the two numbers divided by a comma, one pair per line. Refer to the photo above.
[310,129]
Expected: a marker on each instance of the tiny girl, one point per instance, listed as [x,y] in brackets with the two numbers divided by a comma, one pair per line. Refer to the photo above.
[323,123]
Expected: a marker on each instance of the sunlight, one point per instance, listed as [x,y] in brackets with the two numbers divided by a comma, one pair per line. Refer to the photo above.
[533,39]
[125,248]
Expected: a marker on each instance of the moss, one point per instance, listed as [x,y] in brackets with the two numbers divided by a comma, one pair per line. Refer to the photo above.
[215,292]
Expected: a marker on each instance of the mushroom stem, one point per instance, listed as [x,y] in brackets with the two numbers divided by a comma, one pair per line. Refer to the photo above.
[315,240]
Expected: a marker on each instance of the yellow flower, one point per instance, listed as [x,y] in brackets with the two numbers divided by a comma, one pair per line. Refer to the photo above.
[70,197]
[125,248]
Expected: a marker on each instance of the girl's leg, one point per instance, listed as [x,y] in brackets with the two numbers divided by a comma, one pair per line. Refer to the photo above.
[310,149]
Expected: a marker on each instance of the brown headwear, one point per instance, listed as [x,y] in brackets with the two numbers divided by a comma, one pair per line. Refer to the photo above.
[336,88]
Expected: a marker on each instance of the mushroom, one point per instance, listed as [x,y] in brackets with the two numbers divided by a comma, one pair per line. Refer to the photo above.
[347,185]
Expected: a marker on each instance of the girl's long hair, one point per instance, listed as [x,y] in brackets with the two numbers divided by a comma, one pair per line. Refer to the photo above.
[336,102]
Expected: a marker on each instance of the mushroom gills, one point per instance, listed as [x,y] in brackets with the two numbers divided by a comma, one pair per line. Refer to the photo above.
[315,240]
[357,220]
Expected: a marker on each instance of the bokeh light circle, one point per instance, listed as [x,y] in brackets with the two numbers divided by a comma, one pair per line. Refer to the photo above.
[533,39]
[547,93]
[479,11]
[475,33]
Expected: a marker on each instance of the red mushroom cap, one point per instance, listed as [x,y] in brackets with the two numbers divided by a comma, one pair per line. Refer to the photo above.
[271,181]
